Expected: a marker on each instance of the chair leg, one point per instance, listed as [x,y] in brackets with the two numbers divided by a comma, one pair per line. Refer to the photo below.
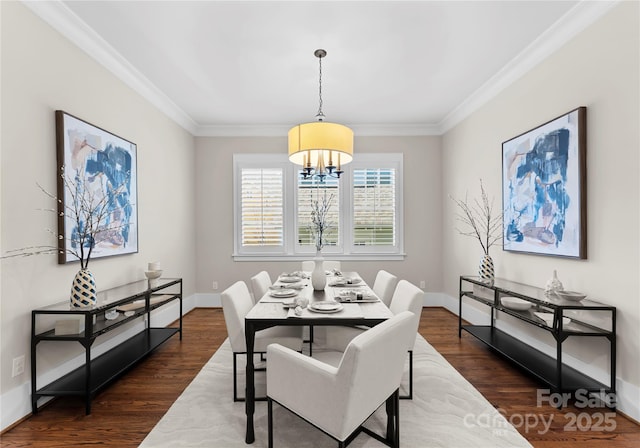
[270,421]
[410,396]
[390,421]
[396,401]
[235,380]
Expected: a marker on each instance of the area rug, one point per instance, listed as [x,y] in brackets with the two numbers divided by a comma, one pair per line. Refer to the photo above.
[446,411]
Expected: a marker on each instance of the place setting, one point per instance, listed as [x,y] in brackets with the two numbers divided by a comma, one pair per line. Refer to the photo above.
[322,308]
[346,282]
[356,296]
[279,294]
[282,286]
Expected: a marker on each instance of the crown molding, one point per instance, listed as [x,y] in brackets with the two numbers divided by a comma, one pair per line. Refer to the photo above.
[568,26]
[360,130]
[61,18]
[67,23]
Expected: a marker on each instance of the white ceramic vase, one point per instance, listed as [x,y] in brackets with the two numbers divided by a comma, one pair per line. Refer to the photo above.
[553,285]
[318,277]
[83,289]
[486,271]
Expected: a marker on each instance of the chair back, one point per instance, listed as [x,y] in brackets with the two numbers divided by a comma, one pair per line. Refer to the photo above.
[328,265]
[236,303]
[384,286]
[408,297]
[260,285]
[371,369]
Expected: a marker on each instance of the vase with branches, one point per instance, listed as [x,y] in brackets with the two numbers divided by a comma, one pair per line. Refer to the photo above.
[320,225]
[479,219]
[93,215]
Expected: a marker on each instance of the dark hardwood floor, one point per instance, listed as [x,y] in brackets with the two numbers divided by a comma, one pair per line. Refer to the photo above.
[125,412]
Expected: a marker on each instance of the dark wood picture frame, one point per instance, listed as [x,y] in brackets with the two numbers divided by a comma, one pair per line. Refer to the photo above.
[91,159]
[544,188]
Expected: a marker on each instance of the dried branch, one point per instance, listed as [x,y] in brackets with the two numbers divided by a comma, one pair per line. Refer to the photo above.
[319,214]
[91,214]
[480,220]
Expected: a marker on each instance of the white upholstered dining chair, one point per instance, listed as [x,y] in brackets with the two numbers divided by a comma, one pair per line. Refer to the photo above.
[338,400]
[384,285]
[236,303]
[260,285]
[406,297]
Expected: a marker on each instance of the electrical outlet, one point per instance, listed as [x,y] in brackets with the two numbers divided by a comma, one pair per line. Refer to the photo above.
[423,284]
[18,366]
[214,285]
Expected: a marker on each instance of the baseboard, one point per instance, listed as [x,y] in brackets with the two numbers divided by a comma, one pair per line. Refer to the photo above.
[627,394]
[16,403]
[208,300]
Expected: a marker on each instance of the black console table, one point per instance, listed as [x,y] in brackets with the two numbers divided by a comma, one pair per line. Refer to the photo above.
[138,299]
[587,319]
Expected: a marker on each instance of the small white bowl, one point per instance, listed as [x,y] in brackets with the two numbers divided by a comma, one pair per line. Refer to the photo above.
[515,303]
[571,295]
[153,274]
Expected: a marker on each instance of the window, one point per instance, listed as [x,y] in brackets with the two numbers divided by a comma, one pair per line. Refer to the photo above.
[273,208]
[262,205]
[374,207]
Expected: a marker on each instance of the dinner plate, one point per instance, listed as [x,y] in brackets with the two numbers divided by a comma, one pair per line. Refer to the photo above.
[515,303]
[281,293]
[325,307]
[289,279]
[571,295]
[548,318]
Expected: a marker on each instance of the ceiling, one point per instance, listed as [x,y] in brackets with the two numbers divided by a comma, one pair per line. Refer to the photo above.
[241,67]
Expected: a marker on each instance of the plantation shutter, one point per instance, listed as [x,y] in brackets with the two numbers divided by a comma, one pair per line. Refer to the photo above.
[262,207]
[374,207]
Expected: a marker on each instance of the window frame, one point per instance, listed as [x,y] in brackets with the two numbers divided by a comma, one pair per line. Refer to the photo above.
[344,250]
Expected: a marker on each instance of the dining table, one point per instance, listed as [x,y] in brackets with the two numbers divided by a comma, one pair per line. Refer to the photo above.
[358,305]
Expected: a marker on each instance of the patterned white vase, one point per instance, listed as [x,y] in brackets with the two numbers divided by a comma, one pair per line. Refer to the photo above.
[485,270]
[83,289]
[318,276]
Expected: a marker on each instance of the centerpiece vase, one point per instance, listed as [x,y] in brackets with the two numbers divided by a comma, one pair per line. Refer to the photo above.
[486,271]
[83,289]
[318,277]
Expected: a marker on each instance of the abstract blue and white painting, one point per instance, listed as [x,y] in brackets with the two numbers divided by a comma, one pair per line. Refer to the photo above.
[101,166]
[543,194]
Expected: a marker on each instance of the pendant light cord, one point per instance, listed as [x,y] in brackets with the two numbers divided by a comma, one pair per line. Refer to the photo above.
[320,115]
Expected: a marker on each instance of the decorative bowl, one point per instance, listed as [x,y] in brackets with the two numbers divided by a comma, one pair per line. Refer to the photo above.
[153,274]
[515,303]
[571,295]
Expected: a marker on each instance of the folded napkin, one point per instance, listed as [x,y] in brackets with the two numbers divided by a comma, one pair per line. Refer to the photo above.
[300,274]
[347,282]
[349,310]
[351,298]
[277,286]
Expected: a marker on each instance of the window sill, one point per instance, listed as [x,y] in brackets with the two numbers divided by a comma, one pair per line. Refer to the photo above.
[341,257]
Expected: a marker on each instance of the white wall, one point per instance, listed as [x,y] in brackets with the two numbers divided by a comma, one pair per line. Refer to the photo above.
[422,204]
[597,69]
[42,72]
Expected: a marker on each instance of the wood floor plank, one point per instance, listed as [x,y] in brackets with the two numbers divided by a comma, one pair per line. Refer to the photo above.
[125,412]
